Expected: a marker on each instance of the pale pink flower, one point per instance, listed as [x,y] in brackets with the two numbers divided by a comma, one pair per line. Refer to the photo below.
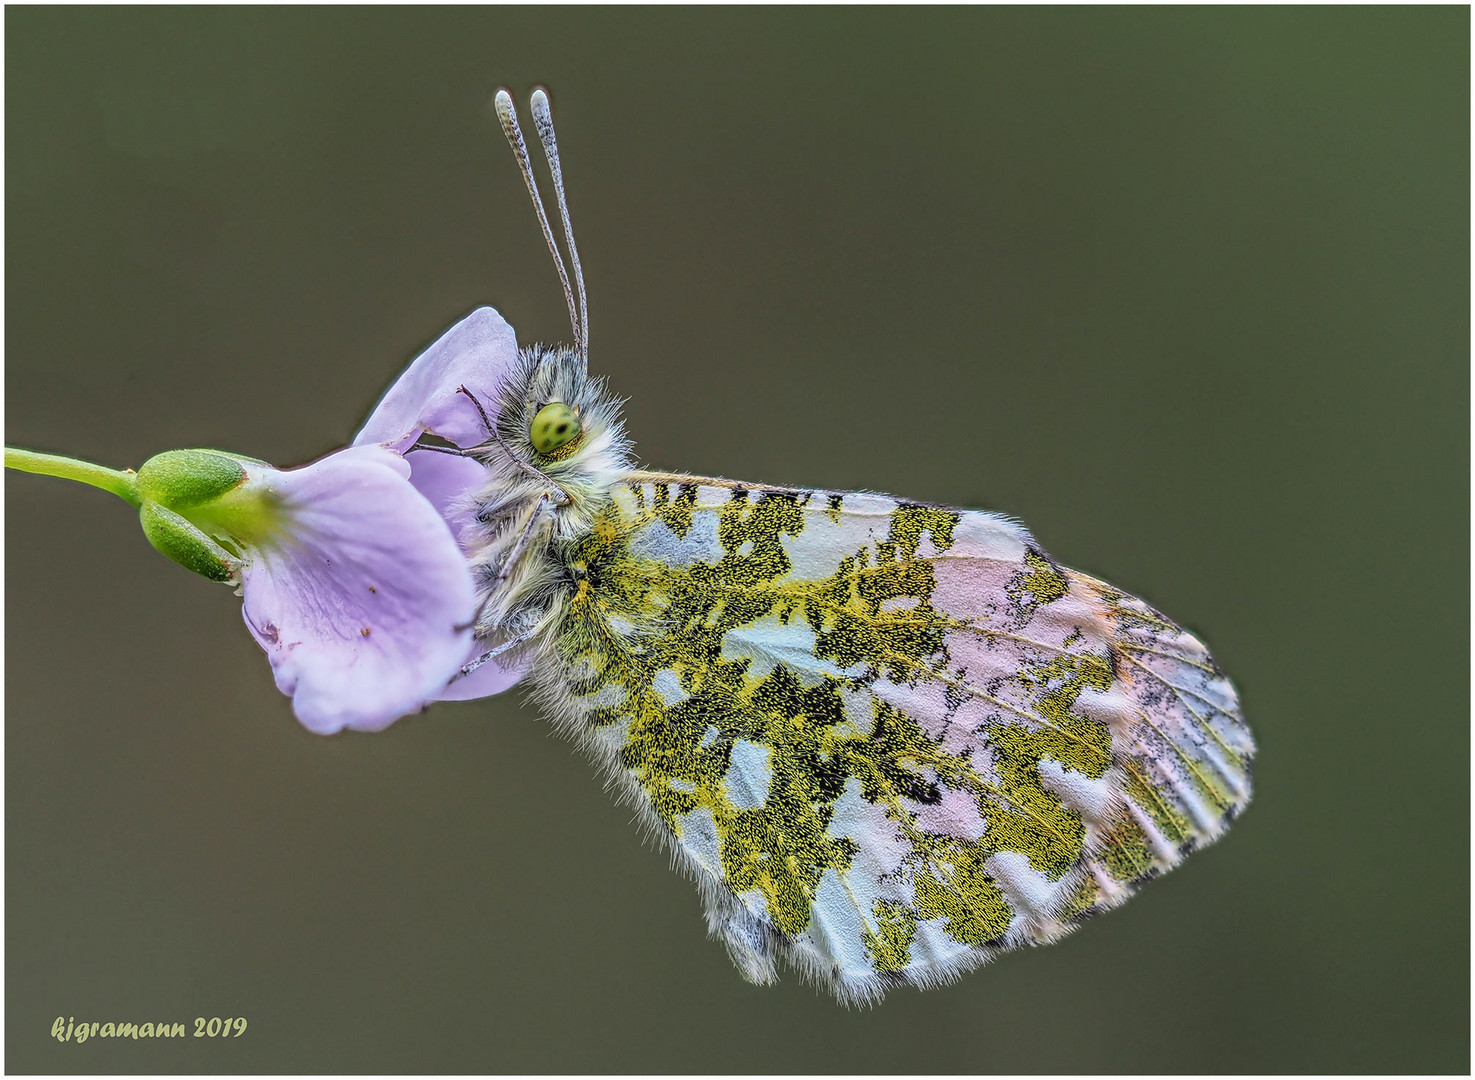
[360,592]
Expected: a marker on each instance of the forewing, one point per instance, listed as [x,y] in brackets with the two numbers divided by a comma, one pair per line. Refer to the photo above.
[888,740]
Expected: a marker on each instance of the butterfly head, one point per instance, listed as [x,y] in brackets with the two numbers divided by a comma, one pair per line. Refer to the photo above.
[558,432]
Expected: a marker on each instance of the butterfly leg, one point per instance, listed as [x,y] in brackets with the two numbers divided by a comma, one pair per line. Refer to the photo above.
[504,570]
[535,519]
[492,654]
[506,646]
[453,450]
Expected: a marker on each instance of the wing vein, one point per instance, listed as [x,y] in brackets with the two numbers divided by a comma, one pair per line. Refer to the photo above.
[1182,700]
[1205,668]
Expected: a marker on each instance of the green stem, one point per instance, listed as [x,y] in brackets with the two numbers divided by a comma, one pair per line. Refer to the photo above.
[119,483]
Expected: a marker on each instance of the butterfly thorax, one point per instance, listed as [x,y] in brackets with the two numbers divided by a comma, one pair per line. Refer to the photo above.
[535,505]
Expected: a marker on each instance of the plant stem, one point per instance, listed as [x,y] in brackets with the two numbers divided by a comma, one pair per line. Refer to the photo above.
[119,483]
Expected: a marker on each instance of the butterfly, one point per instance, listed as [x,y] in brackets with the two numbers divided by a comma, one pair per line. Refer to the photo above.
[888,740]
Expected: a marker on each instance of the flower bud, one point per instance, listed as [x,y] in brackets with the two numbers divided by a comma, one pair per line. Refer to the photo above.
[174,536]
[180,479]
[204,508]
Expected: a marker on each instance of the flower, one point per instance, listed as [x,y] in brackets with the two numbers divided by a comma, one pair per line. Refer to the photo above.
[357,591]
[351,568]
[364,600]
[477,354]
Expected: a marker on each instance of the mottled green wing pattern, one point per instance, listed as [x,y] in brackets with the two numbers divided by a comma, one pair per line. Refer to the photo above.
[887,740]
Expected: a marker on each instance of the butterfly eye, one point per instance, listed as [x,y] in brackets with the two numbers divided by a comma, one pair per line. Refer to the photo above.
[555,425]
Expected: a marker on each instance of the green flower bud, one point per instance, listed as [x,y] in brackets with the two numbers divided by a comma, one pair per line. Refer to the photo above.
[205,509]
[215,494]
[174,536]
[181,479]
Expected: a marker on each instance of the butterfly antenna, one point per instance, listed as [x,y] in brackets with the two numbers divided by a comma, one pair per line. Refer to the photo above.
[543,121]
[508,117]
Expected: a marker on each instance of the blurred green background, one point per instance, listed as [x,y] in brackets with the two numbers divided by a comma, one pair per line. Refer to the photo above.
[1185,290]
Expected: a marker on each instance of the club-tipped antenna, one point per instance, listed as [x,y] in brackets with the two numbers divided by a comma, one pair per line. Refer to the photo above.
[507,114]
[543,121]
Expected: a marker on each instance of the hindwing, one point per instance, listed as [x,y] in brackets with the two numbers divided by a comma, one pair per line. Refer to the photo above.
[888,740]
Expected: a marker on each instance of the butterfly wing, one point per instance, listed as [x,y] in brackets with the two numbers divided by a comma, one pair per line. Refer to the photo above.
[888,740]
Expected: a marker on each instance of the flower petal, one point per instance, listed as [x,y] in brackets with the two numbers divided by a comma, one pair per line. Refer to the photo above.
[492,677]
[362,603]
[478,352]
[448,482]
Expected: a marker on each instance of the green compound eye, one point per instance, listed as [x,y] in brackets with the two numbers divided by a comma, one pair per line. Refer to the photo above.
[555,426]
